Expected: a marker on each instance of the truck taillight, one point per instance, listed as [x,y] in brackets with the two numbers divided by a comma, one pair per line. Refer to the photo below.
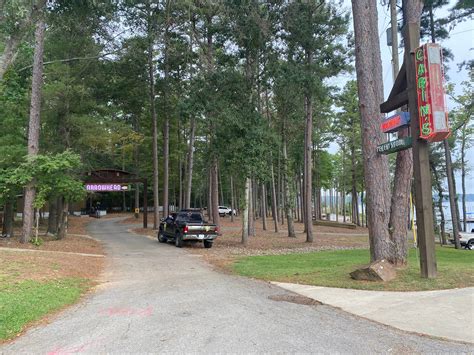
[217,229]
[186,229]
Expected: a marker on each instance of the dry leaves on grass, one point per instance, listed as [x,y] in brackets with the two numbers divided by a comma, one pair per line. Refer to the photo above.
[72,243]
[31,265]
[228,247]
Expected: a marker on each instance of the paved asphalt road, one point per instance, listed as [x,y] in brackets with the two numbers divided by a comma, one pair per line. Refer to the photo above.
[161,299]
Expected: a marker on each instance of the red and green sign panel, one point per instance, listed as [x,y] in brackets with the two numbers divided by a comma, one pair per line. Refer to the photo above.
[433,117]
[395,122]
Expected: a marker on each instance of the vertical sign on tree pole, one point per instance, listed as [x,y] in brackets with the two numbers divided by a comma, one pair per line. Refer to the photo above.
[433,117]
[421,168]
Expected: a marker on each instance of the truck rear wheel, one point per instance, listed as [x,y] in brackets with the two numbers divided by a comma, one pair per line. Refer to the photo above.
[161,237]
[178,240]
[207,244]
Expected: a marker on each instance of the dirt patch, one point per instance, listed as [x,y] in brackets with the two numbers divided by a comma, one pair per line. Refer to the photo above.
[30,265]
[228,247]
[72,243]
[298,299]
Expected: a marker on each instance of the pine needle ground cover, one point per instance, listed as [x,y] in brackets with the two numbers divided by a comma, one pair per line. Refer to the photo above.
[332,268]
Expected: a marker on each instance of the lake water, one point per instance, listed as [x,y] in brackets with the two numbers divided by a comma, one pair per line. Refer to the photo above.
[447,214]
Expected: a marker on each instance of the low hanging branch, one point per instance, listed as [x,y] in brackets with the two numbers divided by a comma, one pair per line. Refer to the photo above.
[71,60]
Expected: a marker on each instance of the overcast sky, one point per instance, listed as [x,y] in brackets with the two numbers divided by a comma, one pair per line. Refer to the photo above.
[461,43]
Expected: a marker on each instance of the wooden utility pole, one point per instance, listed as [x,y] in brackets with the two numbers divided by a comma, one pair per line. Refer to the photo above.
[421,167]
[394,31]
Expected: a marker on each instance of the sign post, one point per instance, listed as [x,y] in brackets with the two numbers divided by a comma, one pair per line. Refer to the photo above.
[420,85]
[421,167]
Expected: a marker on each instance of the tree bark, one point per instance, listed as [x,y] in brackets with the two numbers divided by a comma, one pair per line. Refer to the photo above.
[166,146]
[251,211]
[215,192]
[452,195]
[190,165]
[274,202]
[370,88]
[463,176]
[264,207]
[400,202]
[245,214]
[209,195]
[232,202]
[10,51]
[308,159]
[62,226]
[400,205]
[151,78]
[52,218]
[437,182]
[8,217]
[288,195]
[34,127]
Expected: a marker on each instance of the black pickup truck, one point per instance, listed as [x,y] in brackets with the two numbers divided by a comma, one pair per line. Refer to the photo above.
[187,225]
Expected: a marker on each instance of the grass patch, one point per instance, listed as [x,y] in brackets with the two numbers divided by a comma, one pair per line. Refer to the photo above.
[332,268]
[27,301]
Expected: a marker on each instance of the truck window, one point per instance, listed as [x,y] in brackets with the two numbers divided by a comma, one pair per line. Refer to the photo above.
[189,217]
[195,218]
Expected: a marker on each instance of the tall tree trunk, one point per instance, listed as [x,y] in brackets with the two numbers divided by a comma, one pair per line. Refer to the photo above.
[166,159]
[400,202]
[52,218]
[251,211]
[34,127]
[463,176]
[232,202]
[215,192]
[288,194]
[62,226]
[245,214]
[400,205]
[190,165]
[12,43]
[151,78]
[274,202]
[452,195]
[440,203]
[308,160]
[369,83]
[264,207]
[166,123]
[136,155]
[209,196]
[8,217]
[355,212]
[10,51]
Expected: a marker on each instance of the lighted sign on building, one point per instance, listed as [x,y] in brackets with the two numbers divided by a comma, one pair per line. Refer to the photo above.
[434,126]
[105,187]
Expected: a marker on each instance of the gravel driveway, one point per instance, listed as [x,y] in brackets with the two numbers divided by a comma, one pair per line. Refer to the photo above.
[160,299]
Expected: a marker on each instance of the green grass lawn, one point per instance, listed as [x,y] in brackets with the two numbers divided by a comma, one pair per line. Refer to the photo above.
[27,301]
[332,268]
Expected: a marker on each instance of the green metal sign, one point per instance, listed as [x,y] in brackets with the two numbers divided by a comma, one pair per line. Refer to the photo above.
[395,146]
